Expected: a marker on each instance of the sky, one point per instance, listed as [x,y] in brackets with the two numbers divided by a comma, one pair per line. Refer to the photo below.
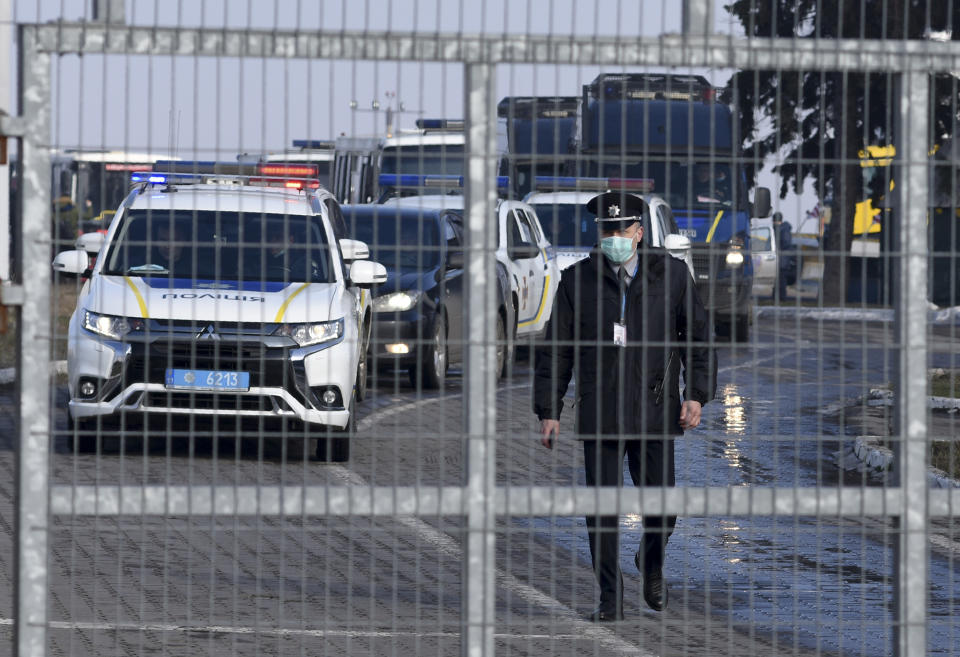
[215,108]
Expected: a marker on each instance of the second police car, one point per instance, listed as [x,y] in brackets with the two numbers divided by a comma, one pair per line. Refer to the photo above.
[560,202]
[522,248]
[223,298]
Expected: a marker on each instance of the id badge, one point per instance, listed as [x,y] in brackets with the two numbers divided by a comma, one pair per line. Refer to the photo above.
[619,334]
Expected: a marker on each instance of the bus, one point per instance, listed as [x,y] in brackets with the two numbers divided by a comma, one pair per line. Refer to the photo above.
[674,134]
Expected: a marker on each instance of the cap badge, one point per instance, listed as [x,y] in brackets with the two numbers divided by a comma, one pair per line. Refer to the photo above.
[614,210]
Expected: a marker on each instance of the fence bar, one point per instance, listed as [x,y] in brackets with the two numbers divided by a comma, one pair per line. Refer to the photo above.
[545,501]
[34,348]
[480,378]
[912,566]
[710,51]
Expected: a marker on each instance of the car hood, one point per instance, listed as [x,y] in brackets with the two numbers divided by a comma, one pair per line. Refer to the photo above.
[223,301]
[404,281]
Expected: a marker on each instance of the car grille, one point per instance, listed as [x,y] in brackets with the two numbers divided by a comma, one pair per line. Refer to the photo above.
[149,363]
[207,401]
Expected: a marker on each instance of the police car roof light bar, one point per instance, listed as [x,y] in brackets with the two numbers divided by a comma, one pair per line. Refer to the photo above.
[181,178]
[317,144]
[453,125]
[570,183]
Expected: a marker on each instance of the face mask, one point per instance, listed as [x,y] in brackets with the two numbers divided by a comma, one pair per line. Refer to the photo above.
[618,249]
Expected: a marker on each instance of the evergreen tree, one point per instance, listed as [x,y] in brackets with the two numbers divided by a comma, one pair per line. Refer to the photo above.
[820,120]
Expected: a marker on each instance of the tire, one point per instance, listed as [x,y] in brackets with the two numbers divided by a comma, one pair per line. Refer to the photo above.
[363,365]
[333,443]
[431,369]
[81,435]
[503,348]
[741,329]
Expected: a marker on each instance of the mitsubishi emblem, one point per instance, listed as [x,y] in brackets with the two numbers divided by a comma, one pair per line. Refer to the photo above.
[208,334]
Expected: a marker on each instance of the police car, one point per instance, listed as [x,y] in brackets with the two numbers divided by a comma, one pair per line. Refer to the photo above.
[224,298]
[522,249]
[560,202]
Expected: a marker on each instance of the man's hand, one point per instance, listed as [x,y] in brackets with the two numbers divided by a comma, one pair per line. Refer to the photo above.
[690,415]
[550,429]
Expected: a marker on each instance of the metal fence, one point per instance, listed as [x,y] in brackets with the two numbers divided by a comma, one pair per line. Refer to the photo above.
[451,528]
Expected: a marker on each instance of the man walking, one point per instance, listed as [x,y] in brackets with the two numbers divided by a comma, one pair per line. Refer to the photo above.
[625,320]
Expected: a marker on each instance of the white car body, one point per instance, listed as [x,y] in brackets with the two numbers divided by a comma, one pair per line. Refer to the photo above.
[177,323]
[533,280]
[763,250]
[659,226]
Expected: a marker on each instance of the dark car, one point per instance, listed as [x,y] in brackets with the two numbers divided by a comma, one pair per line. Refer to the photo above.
[418,313]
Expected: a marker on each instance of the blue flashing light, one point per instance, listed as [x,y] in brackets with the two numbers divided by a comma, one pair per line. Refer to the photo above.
[414,180]
[503,182]
[325,144]
[440,124]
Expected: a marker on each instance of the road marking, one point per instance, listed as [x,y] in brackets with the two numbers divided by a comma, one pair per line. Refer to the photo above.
[446,545]
[277,631]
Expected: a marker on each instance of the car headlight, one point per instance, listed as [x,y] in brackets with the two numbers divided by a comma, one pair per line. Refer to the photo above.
[313,332]
[396,302]
[734,258]
[110,326]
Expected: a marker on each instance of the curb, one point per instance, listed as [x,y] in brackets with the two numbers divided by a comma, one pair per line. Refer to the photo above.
[948,316]
[884,397]
[878,458]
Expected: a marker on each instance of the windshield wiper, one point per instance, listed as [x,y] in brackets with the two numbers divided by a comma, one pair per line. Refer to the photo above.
[148,269]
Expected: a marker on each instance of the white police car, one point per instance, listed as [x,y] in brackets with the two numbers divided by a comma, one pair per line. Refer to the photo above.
[561,202]
[223,298]
[522,248]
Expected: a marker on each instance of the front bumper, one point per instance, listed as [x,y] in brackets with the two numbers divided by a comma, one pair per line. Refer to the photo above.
[723,290]
[394,332]
[285,381]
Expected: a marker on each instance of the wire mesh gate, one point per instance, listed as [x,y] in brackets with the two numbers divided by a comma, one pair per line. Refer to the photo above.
[491,489]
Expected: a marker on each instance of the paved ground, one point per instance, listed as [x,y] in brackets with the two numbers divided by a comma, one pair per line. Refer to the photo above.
[384,586]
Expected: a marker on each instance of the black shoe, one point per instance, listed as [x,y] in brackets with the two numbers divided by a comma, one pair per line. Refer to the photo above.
[655,590]
[607,614]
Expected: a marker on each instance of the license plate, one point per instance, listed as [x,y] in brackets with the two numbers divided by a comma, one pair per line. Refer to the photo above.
[208,380]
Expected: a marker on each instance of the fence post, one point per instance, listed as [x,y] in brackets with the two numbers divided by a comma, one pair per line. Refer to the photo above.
[33,367]
[480,377]
[911,315]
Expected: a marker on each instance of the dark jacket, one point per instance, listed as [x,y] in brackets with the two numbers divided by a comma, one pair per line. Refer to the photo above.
[632,391]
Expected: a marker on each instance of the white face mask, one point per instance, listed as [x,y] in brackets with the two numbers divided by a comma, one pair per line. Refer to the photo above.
[619,249]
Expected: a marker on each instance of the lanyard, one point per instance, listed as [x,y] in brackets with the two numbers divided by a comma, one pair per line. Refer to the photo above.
[623,294]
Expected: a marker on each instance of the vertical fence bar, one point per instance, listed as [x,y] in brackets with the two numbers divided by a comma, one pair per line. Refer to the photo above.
[697,17]
[480,377]
[911,309]
[34,352]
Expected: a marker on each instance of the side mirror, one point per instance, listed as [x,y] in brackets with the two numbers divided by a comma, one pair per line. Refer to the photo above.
[761,202]
[675,244]
[455,260]
[364,273]
[523,251]
[354,250]
[71,262]
[90,242]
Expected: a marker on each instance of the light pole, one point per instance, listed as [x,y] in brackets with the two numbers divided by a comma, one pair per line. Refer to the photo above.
[393,107]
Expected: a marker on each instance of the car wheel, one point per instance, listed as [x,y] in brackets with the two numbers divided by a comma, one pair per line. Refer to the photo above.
[503,349]
[81,435]
[333,445]
[431,369]
[741,329]
[362,366]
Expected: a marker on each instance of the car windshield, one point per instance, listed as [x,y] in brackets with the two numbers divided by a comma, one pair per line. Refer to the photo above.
[440,159]
[567,225]
[207,245]
[682,184]
[405,241]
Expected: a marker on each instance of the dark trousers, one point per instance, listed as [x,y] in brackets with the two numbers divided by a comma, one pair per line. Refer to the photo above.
[651,464]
